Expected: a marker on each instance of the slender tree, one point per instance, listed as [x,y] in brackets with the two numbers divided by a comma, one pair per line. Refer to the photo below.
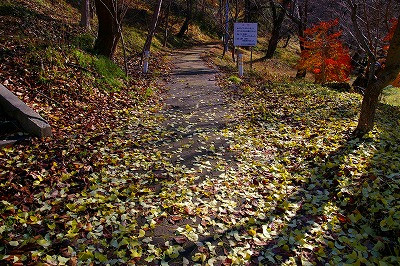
[85,14]
[278,11]
[153,27]
[299,16]
[189,15]
[375,87]
[166,22]
[225,21]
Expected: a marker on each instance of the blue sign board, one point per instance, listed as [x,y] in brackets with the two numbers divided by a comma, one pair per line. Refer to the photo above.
[245,34]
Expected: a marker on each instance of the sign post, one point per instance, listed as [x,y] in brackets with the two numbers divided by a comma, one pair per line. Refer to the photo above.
[251,59]
[245,34]
[146,62]
[240,64]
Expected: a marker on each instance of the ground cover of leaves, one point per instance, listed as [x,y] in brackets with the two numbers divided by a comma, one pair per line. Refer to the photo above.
[301,189]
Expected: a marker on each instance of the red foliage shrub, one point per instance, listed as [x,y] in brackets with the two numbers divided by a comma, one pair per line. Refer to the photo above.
[324,54]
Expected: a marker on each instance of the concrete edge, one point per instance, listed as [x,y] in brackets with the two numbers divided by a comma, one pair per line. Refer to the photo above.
[29,120]
[7,143]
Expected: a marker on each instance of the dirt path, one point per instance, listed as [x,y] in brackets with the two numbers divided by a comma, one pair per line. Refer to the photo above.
[193,136]
[196,113]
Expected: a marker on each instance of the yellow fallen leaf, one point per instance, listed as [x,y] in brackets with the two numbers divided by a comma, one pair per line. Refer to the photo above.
[142,233]
[252,232]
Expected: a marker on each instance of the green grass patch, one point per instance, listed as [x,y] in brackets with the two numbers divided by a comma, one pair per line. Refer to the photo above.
[391,96]
[112,76]
[84,59]
[135,38]
[54,56]
[235,79]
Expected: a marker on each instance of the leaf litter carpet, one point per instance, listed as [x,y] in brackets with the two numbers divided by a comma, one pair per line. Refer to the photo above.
[209,179]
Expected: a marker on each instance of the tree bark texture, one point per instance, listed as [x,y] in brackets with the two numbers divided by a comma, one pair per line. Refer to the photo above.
[153,27]
[108,30]
[301,27]
[168,8]
[250,11]
[85,14]
[185,25]
[375,88]
[278,15]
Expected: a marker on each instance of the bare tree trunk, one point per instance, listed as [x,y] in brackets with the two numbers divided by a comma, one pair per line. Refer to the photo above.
[124,52]
[302,25]
[85,14]
[168,8]
[226,33]
[247,10]
[375,88]
[221,23]
[152,28]
[278,15]
[185,26]
[108,30]
[235,19]
[273,41]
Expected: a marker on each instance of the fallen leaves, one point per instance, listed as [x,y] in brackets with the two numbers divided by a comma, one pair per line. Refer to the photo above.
[280,184]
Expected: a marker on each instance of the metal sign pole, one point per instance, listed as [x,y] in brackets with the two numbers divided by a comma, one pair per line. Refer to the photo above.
[251,58]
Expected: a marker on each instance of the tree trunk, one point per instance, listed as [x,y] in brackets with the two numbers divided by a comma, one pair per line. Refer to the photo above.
[278,14]
[250,11]
[368,110]
[226,39]
[302,25]
[273,41]
[108,30]
[153,27]
[85,14]
[185,25]
[247,10]
[301,73]
[235,19]
[168,8]
[375,88]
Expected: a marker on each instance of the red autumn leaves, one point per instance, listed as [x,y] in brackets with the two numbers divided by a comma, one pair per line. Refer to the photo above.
[324,54]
